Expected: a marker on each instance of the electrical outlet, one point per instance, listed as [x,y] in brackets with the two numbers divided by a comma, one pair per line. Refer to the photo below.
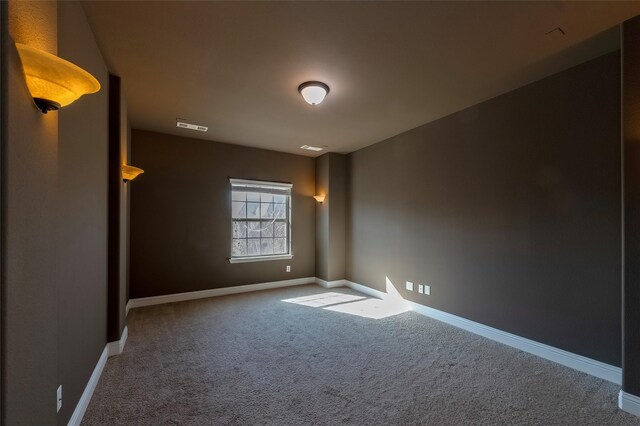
[409,286]
[427,290]
[59,398]
[288,268]
[420,288]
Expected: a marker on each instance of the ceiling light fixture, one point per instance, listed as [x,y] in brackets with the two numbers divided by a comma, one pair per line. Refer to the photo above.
[313,92]
[52,81]
[189,126]
[311,148]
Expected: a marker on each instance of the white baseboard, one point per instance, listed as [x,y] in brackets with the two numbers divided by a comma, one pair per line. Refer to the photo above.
[126,308]
[568,359]
[111,349]
[629,403]
[180,297]
[626,401]
[116,348]
[365,290]
[330,284]
[82,405]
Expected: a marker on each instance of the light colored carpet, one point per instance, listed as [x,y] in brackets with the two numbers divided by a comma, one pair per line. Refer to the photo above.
[254,359]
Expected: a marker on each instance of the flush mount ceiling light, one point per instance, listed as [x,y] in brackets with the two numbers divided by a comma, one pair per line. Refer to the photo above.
[313,91]
[130,172]
[190,126]
[311,148]
[52,81]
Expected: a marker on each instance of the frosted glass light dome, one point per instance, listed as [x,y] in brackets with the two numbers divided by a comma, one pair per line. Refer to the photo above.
[313,92]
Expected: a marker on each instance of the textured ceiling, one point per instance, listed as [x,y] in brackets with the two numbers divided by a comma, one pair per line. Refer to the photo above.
[235,66]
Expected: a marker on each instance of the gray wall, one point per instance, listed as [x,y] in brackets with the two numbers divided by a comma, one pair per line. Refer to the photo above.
[181,214]
[82,214]
[322,218]
[125,199]
[53,223]
[330,217]
[336,198]
[631,145]
[510,210]
[119,154]
[29,175]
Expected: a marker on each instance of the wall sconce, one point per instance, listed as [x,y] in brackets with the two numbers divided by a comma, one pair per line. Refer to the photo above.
[319,198]
[130,173]
[52,81]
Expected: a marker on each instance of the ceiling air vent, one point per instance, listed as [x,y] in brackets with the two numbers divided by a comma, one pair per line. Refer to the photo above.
[311,148]
[189,126]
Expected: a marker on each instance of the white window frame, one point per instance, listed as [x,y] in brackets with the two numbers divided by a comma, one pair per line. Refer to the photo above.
[258,184]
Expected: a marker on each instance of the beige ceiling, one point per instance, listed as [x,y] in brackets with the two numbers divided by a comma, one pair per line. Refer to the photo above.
[235,66]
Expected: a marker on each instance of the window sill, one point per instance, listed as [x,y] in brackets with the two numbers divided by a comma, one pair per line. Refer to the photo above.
[260,258]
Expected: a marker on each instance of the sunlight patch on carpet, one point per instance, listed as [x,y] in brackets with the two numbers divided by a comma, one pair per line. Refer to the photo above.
[370,308]
[353,304]
[324,299]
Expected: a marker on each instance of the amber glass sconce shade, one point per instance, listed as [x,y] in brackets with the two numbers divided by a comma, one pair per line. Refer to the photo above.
[52,81]
[130,172]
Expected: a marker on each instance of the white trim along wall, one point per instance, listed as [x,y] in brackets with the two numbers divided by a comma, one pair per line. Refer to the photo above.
[627,402]
[111,349]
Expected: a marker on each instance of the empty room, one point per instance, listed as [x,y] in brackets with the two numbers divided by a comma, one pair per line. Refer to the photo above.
[319,213]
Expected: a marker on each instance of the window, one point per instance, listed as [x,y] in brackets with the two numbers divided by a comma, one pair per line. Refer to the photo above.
[260,220]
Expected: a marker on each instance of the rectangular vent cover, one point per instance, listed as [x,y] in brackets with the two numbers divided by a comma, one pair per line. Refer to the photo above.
[311,148]
[189,126]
